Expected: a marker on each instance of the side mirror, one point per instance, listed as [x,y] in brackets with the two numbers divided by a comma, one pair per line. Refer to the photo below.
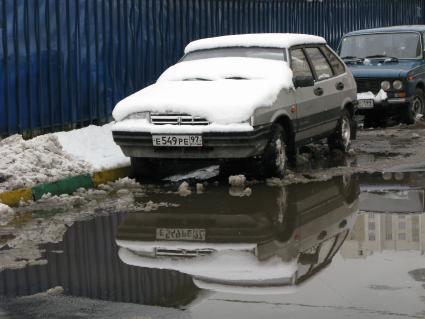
[303,81]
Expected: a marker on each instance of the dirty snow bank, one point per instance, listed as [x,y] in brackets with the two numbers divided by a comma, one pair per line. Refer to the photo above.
[270,40]
[50,157]
[94,145]
[39,160]
[221,101]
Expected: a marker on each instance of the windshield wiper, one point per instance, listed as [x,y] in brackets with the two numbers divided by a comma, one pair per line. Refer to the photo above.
[386,57]
[196,79]
[352,59]
[235,78]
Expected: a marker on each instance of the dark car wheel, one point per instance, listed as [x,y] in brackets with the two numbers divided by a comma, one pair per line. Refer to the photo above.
[415,108]
[143,168]
[341,138]
[274,160]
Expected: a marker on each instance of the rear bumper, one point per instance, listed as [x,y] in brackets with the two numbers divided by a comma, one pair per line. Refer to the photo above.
[216,145]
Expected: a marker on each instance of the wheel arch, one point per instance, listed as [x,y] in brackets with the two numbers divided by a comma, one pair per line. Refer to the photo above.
[420,85]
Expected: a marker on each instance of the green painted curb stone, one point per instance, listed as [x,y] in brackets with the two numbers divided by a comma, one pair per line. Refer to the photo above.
[64,186]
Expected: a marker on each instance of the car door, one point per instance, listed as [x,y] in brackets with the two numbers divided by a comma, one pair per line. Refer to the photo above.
[309,106]
[328,88]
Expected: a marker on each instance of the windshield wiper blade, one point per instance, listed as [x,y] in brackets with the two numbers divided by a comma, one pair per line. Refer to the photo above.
[392,58]
[352,59]
[235,78]
[196,79]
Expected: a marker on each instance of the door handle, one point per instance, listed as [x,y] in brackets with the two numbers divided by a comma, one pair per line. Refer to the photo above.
[339,86]
[318,91]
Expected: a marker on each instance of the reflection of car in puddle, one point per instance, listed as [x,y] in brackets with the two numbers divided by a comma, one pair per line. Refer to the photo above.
[276,238]
[399,192]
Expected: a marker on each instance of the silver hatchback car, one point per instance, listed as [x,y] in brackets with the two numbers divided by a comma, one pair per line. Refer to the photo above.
[252,96]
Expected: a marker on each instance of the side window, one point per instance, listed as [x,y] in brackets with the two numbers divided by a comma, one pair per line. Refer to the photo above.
[337,66]
[299,64]
[320,65]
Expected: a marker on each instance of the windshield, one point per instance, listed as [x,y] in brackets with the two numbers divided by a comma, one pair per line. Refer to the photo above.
[263,53]
[406,45]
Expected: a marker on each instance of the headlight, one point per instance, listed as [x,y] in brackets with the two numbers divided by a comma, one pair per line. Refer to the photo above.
[397,84]
[139,116]
[385,85]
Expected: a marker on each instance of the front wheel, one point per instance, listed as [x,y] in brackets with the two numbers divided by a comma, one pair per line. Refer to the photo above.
[274,160]
[341,138]
[416,107]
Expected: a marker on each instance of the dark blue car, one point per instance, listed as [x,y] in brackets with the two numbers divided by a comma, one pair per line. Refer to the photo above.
[389,67]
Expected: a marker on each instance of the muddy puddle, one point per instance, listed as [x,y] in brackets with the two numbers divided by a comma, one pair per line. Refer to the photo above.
[350,246]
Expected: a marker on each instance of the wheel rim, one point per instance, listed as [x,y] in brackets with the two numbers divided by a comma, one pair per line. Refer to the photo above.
[417,106]
[280,156]
[346,132]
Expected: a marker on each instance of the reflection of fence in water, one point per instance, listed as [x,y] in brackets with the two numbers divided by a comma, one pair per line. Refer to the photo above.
[90,267]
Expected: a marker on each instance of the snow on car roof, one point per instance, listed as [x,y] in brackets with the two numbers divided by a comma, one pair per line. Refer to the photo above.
[270,40]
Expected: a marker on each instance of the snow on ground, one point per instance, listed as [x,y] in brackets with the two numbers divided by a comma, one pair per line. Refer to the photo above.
[379,97]
[41,159]
[6,214]
[51,157]
[94,145]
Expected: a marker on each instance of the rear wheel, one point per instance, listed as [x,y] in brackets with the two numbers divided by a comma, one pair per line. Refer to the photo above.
[274,160]
[143,168]
[341,138]
[415,108]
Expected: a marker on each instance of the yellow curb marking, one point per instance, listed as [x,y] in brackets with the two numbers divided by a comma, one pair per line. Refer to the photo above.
[110,175]
[13,198]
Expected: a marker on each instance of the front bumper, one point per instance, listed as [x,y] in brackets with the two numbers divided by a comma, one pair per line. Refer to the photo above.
[388,106]
[216,145]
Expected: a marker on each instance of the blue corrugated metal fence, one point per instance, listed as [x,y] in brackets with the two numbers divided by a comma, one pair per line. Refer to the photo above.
[67,62]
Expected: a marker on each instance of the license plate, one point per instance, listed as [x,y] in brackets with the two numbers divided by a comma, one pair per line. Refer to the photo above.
[365,104]
[177,140]
[189,234]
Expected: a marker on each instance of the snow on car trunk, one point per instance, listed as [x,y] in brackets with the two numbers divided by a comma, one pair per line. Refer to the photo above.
[222,90]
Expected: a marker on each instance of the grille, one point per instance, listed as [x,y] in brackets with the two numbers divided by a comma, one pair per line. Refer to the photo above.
[177,119]
[366,85]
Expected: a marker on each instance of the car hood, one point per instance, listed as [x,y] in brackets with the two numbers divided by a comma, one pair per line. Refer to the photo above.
[375,69]
[225,91]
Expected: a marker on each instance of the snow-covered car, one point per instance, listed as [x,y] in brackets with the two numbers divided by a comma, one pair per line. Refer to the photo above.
[240,97]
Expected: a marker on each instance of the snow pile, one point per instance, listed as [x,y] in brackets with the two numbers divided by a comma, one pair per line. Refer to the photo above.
[214,69]
[6,214]
[381,96]
[184,190]
[237,186]
[224,100]
[269,40]
[39,160]
[94,145]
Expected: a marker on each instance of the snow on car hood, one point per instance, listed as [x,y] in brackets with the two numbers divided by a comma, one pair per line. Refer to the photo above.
[222,90]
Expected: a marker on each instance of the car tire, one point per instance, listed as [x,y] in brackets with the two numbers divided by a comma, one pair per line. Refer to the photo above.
[274,160]
[341,138]
[143,168]
[415,107]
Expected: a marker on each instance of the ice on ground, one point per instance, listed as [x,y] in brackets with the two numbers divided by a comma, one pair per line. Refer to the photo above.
[38,160]
[379,97]
[199,174]
[94,145]
[184,190]
[199,188]
[269,40]
[6,214]
[226,99]
[240,191]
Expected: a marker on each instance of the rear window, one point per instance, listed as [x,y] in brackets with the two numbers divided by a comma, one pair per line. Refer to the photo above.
[262,53]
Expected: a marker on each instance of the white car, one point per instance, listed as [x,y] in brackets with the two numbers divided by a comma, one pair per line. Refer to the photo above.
[240,97]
